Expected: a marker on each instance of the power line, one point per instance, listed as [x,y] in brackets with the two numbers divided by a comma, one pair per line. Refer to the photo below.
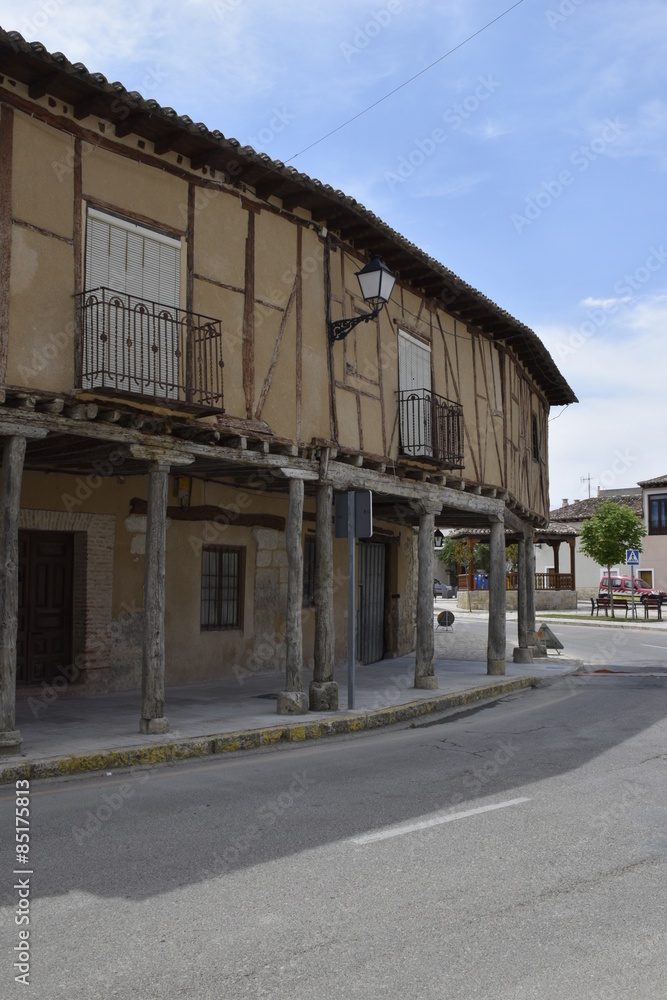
[405,83]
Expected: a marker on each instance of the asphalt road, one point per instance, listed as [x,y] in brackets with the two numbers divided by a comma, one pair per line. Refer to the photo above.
[513,851]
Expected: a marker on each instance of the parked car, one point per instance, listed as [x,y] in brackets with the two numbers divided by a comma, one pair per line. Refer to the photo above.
[439,589]
[621,586]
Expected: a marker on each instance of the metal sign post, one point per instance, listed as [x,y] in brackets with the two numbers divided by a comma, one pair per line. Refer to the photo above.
[632,560]
[353,518]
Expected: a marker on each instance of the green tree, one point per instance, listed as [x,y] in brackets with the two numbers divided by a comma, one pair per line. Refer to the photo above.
[604,537]
[455,552]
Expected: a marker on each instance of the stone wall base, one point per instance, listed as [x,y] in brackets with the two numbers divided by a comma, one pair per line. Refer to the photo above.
[545,600]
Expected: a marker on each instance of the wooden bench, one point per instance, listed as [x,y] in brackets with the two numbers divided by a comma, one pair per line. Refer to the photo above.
[654,601]
[603,604]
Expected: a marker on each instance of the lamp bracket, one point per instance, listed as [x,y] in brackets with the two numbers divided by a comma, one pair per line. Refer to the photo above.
[339,328]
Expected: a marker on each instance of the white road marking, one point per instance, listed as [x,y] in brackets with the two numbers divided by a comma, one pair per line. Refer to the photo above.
[425,824]
[651,646]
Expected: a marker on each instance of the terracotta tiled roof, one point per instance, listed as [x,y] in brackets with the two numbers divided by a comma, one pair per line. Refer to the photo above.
[86,93]
[582,509]
[648,483]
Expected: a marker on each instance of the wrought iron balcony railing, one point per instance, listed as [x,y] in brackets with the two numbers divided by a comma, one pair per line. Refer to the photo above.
[142,348]
[430,427]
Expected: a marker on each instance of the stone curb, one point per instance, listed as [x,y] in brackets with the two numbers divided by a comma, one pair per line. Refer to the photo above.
[252,739]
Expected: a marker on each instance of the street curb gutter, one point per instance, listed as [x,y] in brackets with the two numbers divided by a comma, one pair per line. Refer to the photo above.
[252,739]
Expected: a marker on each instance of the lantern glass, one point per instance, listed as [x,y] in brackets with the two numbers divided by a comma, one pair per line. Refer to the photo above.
[376,281]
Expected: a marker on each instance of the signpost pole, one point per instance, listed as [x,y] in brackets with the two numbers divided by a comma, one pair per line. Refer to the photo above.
[351,588]
[632,584]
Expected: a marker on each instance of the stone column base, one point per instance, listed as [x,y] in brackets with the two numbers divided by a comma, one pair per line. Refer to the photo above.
[522,655]
[292,703]
[495,667]
[427,682]
[323,696]
[154,726]
[10,741]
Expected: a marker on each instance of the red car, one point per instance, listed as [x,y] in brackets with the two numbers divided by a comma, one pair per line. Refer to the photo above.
[621,586]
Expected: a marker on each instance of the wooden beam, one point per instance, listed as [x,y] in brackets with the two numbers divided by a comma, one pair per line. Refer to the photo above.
[128,124]
[39,87]
[167,142]
[6,157]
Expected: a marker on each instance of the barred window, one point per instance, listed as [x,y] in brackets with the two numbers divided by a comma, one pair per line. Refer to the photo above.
[536,439]
[221,587]
[309,571]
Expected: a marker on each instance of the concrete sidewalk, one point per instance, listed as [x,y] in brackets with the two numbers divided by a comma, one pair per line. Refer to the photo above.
[66,733]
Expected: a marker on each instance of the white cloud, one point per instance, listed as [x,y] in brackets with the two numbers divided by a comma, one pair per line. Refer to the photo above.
[451,187]
[605,303]
[621,392]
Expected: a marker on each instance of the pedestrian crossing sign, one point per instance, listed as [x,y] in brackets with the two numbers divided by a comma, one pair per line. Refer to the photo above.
[632,557]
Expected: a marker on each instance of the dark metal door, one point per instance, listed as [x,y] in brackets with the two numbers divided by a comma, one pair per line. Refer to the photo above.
[370,629]
[44,641]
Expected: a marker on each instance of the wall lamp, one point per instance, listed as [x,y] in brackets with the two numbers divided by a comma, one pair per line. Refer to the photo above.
[376,282]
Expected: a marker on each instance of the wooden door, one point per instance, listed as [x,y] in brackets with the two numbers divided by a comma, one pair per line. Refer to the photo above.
[44,641]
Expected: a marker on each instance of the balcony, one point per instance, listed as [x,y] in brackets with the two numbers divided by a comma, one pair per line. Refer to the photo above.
[131,346]
[431,428]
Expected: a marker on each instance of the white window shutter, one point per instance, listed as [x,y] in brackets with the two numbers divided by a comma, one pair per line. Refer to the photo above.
[143,351]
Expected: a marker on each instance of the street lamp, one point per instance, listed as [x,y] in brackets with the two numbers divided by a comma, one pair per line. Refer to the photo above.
[438,539]
[376,282]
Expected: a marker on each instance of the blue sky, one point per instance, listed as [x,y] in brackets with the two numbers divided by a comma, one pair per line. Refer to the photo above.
[531,161]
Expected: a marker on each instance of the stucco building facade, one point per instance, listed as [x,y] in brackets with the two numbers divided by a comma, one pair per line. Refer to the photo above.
[176,417]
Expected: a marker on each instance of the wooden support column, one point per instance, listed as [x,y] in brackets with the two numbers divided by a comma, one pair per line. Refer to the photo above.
[573,544]
[323,689]
[522,652]
[293,700]
[14,438]
[530,591]
[159,462]
[152,674]
[495,657]
[424,665]
[13,455]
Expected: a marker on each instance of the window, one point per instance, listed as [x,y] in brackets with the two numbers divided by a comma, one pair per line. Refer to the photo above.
[221,587]
[657,514]
[309,571]
[129,258]
[132,336]
[414,384]
[536,440]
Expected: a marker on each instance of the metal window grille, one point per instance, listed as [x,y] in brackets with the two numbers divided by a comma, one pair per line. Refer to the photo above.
[221,587]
